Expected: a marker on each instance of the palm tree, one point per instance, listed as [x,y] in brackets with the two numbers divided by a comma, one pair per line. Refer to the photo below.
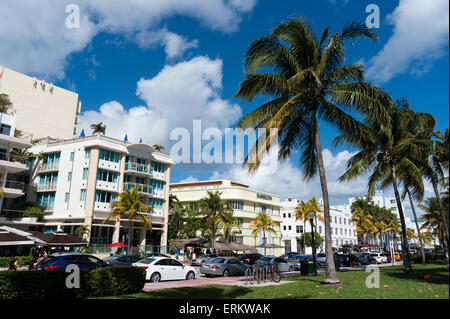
[419,234]
[432,218]
[98,128]
[307,81]
[316,209]
[158,147]
[177,215]
[131,205]
[379,229]
[364,224]
[82,230]
[410,234]
[302,212]
[230,227]
[390,153]
[214,211]
[263,223]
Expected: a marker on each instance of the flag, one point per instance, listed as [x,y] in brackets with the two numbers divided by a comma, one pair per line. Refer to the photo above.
[126,138]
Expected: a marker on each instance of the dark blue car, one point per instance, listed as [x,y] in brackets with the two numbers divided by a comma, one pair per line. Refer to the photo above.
[61,260]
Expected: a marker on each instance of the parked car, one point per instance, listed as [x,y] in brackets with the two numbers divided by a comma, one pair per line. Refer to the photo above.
[223,266]
[320,260]
[398,256]
[122,260]
[155,255]
[348,260]
[366,259]
[277,262]
[297,260]
[289,255]
[163,268]
[379,257]
[202,259]
[388,257]
[62,260]
[250,259]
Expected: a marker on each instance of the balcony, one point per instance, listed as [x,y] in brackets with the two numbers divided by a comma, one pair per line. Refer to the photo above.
[13,163]
[21,217]
[145,189]
[47,207]
[138,168]
[13,189]
[46,187]
[49,166]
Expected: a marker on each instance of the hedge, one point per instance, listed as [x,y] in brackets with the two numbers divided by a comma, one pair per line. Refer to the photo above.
[21,261]
[417,259]
[103,282]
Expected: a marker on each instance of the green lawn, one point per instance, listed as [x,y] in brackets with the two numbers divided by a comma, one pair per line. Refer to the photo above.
[394,284]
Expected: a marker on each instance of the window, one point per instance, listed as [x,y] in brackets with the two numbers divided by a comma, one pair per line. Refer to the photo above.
[299,229]
[85,173]
[335,219]
[289,215]
[237,204]
[345,232]
[320,229]
[340,220]
[5,129]
[72,154]
[345,221]
[87,153]
[66,200]
[284,215]
[104,197]
[341,231]
[69,176]
[290,227]
[110,156]
[107,176]
[82,195]
[336,231]
[284,227]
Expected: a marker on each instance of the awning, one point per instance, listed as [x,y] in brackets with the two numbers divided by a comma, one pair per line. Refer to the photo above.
[10,239]
[58,239]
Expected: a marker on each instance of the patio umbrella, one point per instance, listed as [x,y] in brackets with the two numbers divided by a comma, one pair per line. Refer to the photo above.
[117,245]
[240,247]
[217,245]
[269,246]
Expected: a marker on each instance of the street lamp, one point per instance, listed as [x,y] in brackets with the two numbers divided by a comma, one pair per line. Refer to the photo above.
[311,218]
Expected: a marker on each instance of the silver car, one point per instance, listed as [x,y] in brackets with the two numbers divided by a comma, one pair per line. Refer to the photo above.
[202,259]
[223,266]
[277,262]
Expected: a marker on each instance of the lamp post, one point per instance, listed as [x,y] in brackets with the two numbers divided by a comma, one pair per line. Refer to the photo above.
[311,218]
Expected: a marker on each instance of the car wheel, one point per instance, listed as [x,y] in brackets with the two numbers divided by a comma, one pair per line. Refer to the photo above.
[190,275]
[226,273]
[291,269]
[156,277]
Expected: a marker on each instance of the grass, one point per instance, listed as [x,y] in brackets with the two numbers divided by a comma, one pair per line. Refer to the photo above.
[394,284]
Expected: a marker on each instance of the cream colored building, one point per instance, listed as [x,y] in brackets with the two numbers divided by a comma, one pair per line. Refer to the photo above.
[42,108]
[246,204]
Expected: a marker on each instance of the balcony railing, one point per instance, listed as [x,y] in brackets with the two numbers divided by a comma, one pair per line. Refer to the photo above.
[18,214]
[49,186]
[11,157]
[15,185]
[49,166]
[141,188]
[140,168]
[47,206]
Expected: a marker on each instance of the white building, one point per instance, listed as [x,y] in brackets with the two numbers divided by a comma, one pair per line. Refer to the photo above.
[77,179]
[342,230]
[43,109]
[11,165]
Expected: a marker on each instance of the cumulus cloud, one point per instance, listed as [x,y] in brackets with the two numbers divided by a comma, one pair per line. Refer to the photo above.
[35,38]
[421,30]
[179,94]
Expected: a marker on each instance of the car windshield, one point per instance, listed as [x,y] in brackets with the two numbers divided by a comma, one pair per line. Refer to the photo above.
[321,255]
[49,260]
[374,255]
[146,261]
[218,260]
[266,259]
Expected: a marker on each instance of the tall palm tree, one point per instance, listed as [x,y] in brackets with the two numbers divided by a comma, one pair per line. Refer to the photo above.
[302,212]
[98,128]
[214,211]
[177,215]
[416,221]
[82,230]
[230,227]
[263,223]
[432,218]
[388,151]
[316,209]
[307,81]
[131,205]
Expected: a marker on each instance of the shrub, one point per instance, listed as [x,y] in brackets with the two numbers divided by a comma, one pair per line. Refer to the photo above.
[417,259]
[4,261]
[104,282]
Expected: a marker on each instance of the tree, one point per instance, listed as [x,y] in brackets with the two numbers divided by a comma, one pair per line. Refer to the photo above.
[302,213]
[230,228]
[214,211]
[131,205]
[263,223]
[307,82]
[158,147]
[5,103]
[98,128]
[432,218]
[391,154]
[307,238]
[410,234]
[82,230]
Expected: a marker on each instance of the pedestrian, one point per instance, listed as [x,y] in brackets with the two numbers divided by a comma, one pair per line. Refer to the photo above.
[176,253]
[13,264]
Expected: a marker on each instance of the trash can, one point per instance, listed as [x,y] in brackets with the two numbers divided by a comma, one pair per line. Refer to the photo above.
[304,271]
[310,267]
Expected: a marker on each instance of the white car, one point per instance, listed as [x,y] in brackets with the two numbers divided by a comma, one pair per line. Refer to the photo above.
[381,259]
[163,268]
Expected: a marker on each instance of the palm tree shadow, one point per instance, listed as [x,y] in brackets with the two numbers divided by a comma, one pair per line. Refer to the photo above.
[436,276]
[204,292]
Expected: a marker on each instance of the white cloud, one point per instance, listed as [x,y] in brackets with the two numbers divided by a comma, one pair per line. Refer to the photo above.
[421,30]
[288,180]
[175,97]
[34,37]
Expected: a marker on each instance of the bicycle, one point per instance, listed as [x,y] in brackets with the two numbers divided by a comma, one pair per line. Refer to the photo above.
[275,274]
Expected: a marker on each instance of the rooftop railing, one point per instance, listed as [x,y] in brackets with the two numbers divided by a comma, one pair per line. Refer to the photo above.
[15,185]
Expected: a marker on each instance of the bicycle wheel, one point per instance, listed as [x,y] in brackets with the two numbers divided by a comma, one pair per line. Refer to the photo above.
[276,275]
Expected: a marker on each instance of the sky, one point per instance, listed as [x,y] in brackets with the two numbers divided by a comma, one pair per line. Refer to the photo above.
[145,68]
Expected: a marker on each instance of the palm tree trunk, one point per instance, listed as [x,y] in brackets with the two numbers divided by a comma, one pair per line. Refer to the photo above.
[330,270]
[264,242]
[417,227]
[129,237]
[406,254]
[441,210]
[304,232]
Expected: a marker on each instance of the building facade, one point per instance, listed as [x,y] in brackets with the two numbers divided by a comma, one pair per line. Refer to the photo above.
[42,108]
[246,204]
[76,180]
[343,231]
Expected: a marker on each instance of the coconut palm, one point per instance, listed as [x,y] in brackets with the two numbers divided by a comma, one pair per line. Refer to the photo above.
[98,128]
[302,212]
[410,234]
[82,230]
[432,218]
[388,151]
[131,205]
[263,223]
[214,211]
[230,227]
[307,81]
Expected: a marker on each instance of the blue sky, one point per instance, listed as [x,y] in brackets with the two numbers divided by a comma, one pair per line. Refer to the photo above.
[182,60]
